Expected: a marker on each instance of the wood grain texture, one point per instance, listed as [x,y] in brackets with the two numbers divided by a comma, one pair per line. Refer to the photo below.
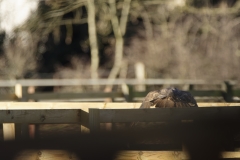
[90,95]
[40,112]
[164,155]
[94,121]
[8,131]
[122,155]
[40,116]
[86,105]
[77,82]
[168,114]
[46,155]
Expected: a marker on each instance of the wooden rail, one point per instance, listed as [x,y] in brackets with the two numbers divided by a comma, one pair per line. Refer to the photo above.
[224,117]
[97,116]
[92,114]
[52,112]
[78,82]
[226,89]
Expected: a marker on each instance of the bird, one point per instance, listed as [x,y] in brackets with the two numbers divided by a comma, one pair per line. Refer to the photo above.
[168,98]
[164,98]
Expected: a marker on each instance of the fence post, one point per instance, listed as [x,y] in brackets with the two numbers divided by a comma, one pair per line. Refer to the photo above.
[84,121]
[228,93]
[140,75]
[127,91]
[8,131]
[9,128]
[191,87]
[31,128]
[130,93]
[25,128]
[18,93]
[21,130]
[94,119]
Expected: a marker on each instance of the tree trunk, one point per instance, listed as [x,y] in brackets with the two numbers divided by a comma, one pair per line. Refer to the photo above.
[93,40]
[119,29]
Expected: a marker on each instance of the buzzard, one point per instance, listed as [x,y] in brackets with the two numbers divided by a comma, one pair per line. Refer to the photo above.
[169,97]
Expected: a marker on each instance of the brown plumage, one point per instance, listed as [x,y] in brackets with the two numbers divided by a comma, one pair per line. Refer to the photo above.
[169,97]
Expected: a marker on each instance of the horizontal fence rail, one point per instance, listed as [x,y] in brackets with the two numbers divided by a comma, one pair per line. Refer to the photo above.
[75,82]
[41,116]
[52,112]
[166,114]
[223,113]
[225,92]
[91,115]
[86,105]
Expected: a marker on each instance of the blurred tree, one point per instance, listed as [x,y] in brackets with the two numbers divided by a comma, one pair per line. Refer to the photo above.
[171,37]
[18,59]
[93,39]
[119,30]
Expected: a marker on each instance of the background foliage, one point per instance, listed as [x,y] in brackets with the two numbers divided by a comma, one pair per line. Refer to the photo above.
[189,39]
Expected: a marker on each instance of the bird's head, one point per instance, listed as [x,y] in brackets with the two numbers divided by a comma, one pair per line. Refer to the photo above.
[167,92]
[172,91]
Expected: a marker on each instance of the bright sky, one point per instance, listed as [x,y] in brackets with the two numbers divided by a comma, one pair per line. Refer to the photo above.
[14,13]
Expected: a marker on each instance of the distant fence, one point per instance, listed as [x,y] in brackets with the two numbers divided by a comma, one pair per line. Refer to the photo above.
[90,115]
[76,82]
[226,89]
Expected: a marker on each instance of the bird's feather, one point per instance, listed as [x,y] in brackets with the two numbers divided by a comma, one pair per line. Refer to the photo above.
[169,97]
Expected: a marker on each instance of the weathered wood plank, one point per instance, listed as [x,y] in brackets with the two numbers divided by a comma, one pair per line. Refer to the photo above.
[56,154]
[64,105]
[167,114]
[8,97]
[27,155]
[91,95]
[85,105]
[84,120]
[46,155]
[122,155]
[94,121]
[151,155]
[217,104]
[164,155]
[40,116]
[77,82]
[8,131]
[94,95]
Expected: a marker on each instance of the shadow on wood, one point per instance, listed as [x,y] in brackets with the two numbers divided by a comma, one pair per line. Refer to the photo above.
[202,141]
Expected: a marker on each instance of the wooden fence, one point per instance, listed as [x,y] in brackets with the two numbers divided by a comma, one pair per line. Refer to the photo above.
[90,115]
[97,116]
[61,112]
[226,90]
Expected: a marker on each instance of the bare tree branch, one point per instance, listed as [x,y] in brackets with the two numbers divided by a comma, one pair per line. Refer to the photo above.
[63,10]
[119,29]
[93,39]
